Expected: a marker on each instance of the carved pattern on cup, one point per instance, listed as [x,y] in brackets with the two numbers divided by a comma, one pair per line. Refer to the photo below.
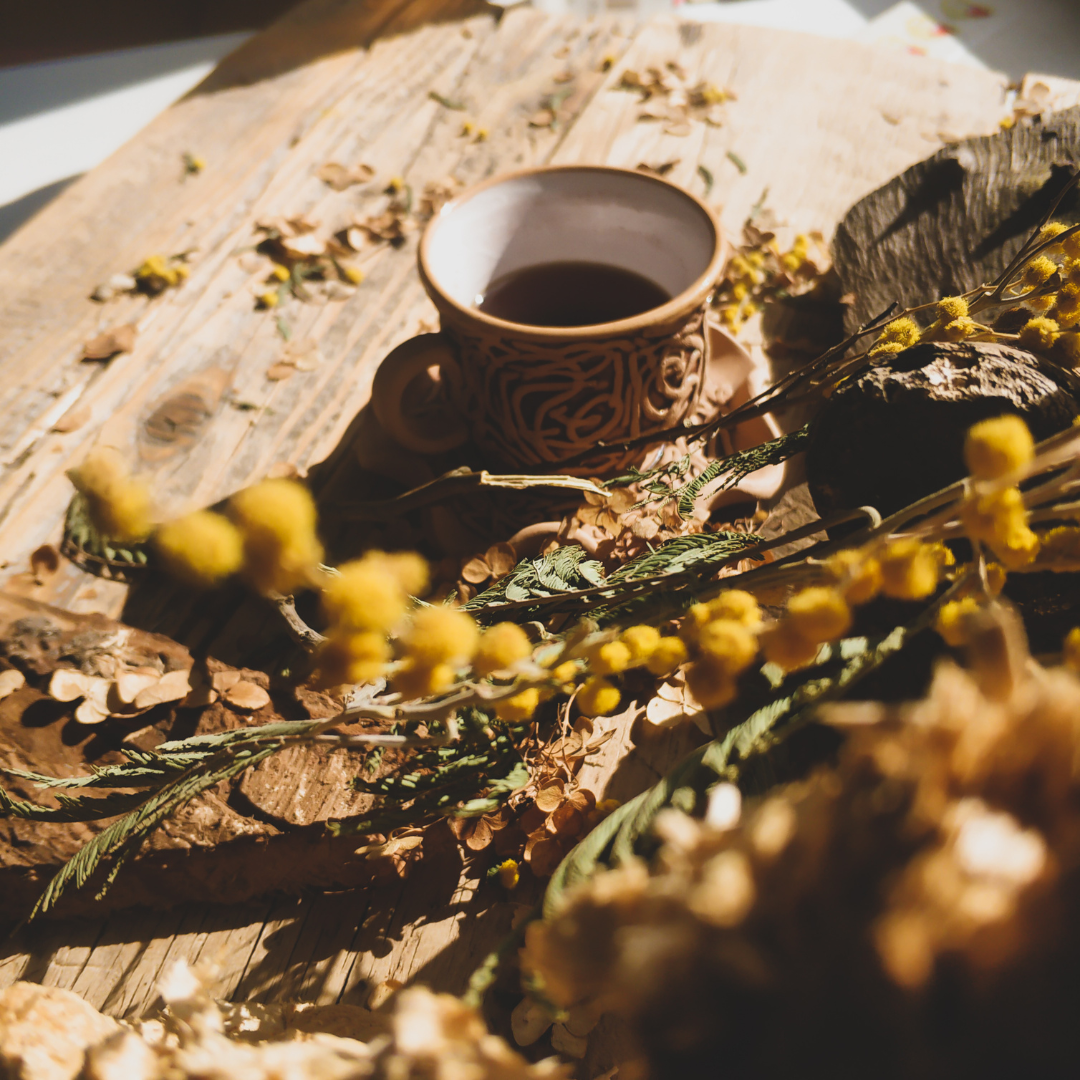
[536,403]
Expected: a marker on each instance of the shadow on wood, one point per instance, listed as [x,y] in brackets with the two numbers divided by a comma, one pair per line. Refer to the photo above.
[321,28]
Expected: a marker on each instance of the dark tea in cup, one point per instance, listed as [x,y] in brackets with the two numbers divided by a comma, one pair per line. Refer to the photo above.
[570,293]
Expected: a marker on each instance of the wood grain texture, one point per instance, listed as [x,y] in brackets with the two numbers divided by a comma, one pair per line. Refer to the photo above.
[940,229]
[817,123]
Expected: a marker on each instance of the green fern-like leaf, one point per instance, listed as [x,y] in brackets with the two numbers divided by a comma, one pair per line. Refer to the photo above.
[123,836]
[740,465]
[70,809]
[684,553]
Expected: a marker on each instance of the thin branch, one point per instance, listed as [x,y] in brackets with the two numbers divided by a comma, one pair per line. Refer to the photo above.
[456,482]
[299,630]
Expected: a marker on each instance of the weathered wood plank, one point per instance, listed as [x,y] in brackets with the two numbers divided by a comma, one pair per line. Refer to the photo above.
[819,123]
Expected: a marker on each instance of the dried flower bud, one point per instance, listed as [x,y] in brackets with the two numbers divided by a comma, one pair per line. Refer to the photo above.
[995,447]
[441,635]
[500,646]
[819,613]
[119,506]
[598,697]
[519,707]
[909,569]
[1039,334]
[202,548]
[277,520]
[669,654]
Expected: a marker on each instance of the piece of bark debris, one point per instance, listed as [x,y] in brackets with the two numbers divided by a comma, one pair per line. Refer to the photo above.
[109,343]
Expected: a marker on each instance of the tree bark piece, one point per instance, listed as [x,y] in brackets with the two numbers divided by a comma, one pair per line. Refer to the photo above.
[257,834]
[954,221]
[896,433]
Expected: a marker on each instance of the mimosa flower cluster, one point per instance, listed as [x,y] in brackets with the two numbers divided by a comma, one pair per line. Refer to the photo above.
[378,627]
[936,862]
[1047,287]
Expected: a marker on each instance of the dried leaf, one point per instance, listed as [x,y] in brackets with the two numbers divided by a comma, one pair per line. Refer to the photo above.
[532,819]
[303,354]
[89,712]
[172,686]
[502,558]
[436,194]
[528,1021]
[399,845]
[340,177]
[120,339]
[279,372]
[508,841]
[304,246]
[357,238]
[67,684]
[544,857]
[550,796]
[581,1020]
[124,710]
[200,697]
[460,826]
[661,713]
[225,680]
[10,681]
[72,420]
[480,837]
[583,799]
[599,741]
[563,1042]
[44,562]
[118,283]
[129,685]
[476,571]
[658,170]
[566,822]
[447,103]
[566,747]
[737,161]
[246,695]
[542,118]
[645,528]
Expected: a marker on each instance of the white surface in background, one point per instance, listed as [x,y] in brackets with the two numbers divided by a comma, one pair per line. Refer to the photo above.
[60,118]
[907,26]
[830,18]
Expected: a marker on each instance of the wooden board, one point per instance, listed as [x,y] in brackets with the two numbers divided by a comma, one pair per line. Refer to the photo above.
[817,124]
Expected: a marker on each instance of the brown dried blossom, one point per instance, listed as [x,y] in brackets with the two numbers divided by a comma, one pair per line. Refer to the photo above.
[668,96]
[759,271]
[47,1032]
[542,822]
[307,260]
[340,177]
[930,873]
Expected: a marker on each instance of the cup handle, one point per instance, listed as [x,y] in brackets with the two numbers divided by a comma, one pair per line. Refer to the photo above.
[409,396]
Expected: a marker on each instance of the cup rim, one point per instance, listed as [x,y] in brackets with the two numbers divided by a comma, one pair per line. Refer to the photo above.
[691,297]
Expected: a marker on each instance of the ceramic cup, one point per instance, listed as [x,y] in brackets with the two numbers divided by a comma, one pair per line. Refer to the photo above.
[531,397]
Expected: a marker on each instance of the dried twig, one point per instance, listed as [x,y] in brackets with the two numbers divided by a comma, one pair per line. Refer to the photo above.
[455,482]
[299,630]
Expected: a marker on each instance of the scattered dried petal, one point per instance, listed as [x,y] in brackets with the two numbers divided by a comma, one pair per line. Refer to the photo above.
[120,339]
[172,686]
[246,695]
[10,681]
